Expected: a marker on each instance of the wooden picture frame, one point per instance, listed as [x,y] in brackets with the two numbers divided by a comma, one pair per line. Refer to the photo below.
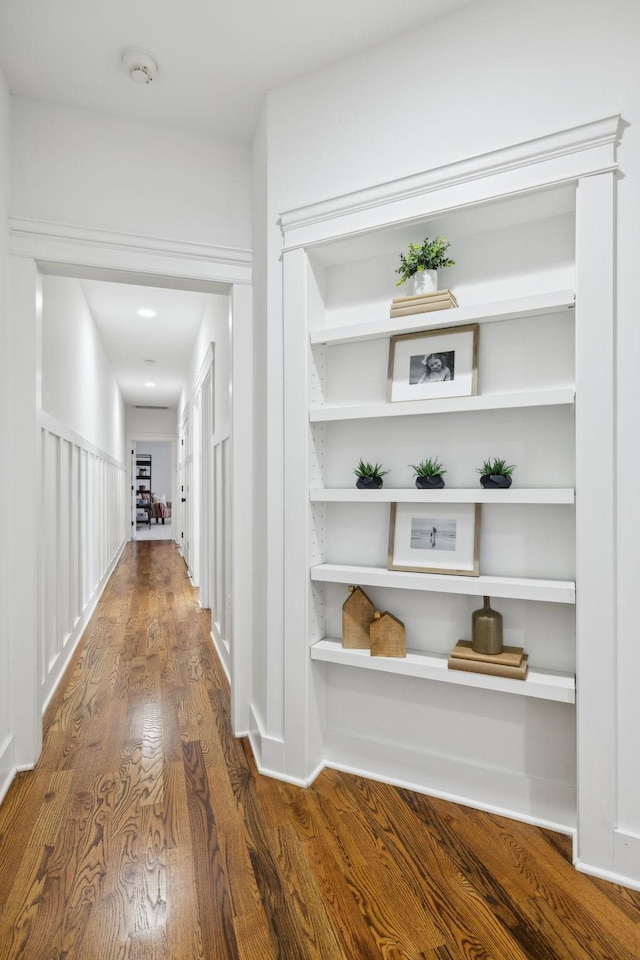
[435,538]
[433,364]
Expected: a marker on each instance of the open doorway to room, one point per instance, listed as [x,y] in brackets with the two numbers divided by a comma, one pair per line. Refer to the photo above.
[154,481]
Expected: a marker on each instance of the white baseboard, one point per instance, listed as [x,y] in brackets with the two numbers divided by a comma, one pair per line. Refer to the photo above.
[222,650]
[632,882]
[269,754]
[257,744]
[267,750]
[538,802]
[7,765]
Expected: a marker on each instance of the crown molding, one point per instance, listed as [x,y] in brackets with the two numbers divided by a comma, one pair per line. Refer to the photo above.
[62,243]
[556,158]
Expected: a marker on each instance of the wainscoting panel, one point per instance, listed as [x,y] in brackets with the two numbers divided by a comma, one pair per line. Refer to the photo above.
[83,514]
[221,625]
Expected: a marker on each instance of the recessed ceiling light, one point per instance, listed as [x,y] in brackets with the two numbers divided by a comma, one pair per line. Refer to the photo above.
[149,384]
[146,312]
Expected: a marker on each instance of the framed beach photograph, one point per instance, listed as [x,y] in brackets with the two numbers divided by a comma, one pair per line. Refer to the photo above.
[433,364]
[435,538]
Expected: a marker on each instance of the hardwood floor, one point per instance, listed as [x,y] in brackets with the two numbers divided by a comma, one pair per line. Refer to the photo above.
[146,833]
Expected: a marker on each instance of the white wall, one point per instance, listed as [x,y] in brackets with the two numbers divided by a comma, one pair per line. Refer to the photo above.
[6,759]
[151,423]
[215,328]
[82,493]
[487,76]
[79,387]
[77,167]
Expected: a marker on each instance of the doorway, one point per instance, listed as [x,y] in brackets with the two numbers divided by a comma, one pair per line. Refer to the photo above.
[39,667]
[153,471]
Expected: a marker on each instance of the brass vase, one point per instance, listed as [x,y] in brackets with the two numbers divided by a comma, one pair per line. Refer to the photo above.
[486,633]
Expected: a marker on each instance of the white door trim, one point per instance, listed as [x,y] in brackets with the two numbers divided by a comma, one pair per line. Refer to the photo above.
[77,251]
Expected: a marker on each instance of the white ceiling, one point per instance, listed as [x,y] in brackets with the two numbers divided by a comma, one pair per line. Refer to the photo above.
[131,340]
[216,63]
[217,60]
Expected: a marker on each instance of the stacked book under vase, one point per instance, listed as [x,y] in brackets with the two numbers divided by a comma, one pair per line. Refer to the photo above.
[511,662]
[422,303]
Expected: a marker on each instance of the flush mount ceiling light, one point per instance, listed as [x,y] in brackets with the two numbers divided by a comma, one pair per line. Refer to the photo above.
[140,66]
[149,384]
[146,312]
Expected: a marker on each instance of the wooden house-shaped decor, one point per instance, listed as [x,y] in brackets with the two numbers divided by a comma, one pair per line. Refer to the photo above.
[388,637]
[357,616]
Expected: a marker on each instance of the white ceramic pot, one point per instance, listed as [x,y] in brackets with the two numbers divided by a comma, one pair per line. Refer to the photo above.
[425,281]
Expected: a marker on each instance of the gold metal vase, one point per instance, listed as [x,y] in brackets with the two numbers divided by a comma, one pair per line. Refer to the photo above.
[486,633]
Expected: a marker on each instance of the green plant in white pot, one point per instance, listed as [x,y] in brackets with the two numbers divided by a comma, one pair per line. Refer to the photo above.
[422,262]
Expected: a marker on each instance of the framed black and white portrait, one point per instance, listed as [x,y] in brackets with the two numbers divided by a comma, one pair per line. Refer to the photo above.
[433,364]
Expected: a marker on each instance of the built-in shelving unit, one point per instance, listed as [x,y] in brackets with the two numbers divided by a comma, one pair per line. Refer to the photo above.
[525,409]
[533,306]
[497,401]
[541,684]
[522,588]
[514,495]
[521,233]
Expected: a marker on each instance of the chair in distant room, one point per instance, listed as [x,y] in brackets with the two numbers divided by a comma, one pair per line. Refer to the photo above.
[160,508]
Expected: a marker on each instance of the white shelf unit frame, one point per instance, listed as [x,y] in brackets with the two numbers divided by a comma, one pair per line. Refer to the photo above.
[514,495]
[500,401]
[535,305]
[585,159]
[542,684]
[522,588]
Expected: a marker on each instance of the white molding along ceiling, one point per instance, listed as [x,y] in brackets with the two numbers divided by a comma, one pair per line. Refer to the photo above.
[430,192]
[74,244]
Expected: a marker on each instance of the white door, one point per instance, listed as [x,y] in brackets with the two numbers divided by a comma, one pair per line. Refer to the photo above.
[185,471]
[206,488]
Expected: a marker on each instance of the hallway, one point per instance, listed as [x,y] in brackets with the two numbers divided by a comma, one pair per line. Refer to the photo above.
[146,833]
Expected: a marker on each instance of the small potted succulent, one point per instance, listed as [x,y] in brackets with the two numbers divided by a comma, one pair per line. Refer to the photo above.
[428,474]
[496,474]
[369,475]
[422,262]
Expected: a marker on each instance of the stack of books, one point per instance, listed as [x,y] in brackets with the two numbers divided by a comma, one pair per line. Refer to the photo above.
[512,662]
[422,303]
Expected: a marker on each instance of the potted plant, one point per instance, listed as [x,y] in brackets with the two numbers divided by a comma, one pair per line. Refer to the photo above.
[369,475]
[422,261]
[428,474]
[496,473]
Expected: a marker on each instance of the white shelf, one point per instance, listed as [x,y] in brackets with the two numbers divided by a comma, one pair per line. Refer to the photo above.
[542,684]
[556,396]
[533,306]
[561,495]
[514,588]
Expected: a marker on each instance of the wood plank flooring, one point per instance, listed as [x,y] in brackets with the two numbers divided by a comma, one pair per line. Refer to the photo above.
[146,833]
